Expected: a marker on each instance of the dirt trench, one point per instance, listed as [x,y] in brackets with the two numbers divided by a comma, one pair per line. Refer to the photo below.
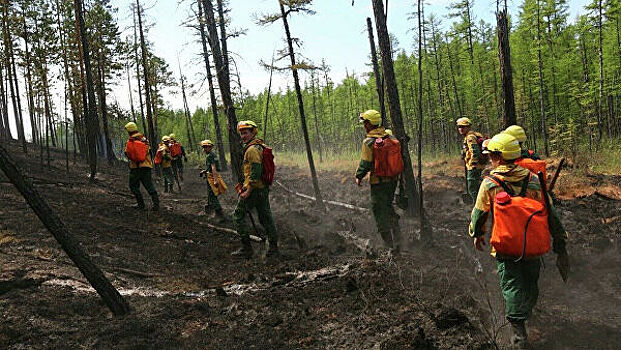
[325,293]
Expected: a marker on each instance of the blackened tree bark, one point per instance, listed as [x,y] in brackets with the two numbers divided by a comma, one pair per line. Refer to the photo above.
[113,299]
[212,91]
[395,107]
[225,91]
[378,79]
[298,91]
[506,74]
[147,85]
[90,109]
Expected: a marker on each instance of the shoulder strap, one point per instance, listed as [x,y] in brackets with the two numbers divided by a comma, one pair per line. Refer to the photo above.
[502,184]
[525,186]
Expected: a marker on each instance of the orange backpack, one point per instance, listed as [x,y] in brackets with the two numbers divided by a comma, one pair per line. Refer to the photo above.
[136,150]
[535,166]
[175,150]
[387,156]
[159,156]
[520,225]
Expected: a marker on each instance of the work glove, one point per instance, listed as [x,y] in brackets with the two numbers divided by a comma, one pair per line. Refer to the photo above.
[562,264]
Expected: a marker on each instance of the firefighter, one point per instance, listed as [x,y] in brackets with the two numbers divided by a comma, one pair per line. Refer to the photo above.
[519,133]
[212,174]
[177,152]
[140,172]
[518,275]
[253,192]
[471,154]
[164,158]
[382,187]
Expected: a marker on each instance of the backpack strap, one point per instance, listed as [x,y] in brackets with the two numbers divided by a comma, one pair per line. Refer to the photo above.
[502,184]
[525,183]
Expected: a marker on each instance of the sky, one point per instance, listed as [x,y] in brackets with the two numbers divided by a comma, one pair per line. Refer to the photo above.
[336,33]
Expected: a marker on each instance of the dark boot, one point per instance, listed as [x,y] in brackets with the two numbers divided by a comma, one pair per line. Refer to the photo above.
[245,251]
[519,340]
[396,239]
[155,199]
[139,203]
[208,210]
[272,250]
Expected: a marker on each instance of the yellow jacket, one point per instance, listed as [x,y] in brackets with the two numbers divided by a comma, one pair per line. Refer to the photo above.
[166,158]
[252,165]
[471,151]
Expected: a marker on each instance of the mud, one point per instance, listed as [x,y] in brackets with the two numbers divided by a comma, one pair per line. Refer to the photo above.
[327,292]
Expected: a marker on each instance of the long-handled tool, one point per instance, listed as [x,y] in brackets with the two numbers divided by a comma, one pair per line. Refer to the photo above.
[239,188]
[562,269]
[556,173]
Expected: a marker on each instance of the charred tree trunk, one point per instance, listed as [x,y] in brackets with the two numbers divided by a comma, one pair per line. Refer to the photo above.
[113,299]
[90,109]
[101,88]
[506,75]
[138,78]
[212,92]
[225,92]
[394,106]
[298,91]
[376,73]
[147,85]
[421,208]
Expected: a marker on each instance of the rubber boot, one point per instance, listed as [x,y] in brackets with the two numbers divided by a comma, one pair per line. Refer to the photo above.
[519,340]
[139,203]
[245,251]
[156,202]
[396,239]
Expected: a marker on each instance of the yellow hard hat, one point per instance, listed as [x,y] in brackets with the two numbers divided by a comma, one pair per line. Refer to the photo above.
[246,124]
[205,143]
[172,136]
[374,117]
[517,132]
[463,121]
[131,127]
[389,132]
[165,138]
[506,145]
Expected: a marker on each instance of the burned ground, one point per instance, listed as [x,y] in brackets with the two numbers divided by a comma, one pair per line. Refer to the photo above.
[325,293]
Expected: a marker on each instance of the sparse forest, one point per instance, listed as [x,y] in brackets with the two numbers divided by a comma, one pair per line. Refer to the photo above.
[74,73]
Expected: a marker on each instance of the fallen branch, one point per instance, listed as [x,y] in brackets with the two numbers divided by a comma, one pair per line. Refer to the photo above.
[363,244]
[335,203]
[228,230]
[136,273]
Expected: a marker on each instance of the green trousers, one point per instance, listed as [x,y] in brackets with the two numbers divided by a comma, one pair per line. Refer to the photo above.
[212,200]
[473,178]
[259,200]
[518,283]
[169,177]
[142,176]
[177,165]
[386,218]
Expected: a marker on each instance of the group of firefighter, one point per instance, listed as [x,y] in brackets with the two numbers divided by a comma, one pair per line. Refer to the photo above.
[524,223]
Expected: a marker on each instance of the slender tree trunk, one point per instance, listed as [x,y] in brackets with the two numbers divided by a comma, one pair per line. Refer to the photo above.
[28,63]
[101,87]
[395,108]
[212,92]
[147,86]
[298,91]
[600,55]
[90,109]
[450,59]
[131,98]
[506,75]
[421,207]
[267,103]
[316,117]
[8,55]
[542,111]
[138,78]
[378,79]
[225,92]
